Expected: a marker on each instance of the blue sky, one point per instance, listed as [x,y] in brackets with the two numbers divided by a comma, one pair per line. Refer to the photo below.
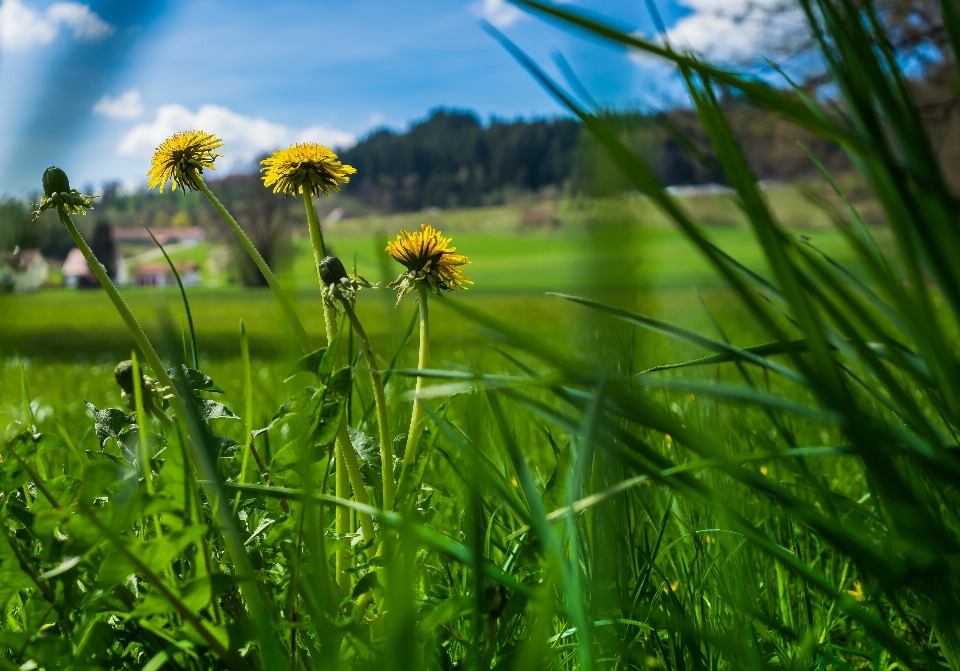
[93,86]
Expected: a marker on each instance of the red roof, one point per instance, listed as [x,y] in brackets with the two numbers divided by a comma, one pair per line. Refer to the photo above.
[20,260]
[163,235]
[75,264]
[160,268]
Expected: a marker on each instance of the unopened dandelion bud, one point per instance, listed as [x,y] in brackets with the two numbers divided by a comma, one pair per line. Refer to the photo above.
[57,194]
[339,286]
[55,180]
[332,270]
[123,374]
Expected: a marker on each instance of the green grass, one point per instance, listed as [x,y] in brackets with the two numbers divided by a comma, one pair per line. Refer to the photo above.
[511,272]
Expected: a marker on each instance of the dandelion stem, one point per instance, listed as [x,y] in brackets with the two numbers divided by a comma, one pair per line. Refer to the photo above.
[356,479]
[247,409]
[345,454]
[383,418]
[248,245]
[319,251]
[343,521]
[141,422]
[423,360]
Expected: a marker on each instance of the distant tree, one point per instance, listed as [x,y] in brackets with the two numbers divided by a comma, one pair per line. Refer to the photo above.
[452,160]
[104,248]
[262,215]
[17,229]
[918,38]
[14,217]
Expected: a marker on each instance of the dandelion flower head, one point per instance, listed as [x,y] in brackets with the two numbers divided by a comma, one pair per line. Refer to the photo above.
[182,158]
[307,167]
[428,258]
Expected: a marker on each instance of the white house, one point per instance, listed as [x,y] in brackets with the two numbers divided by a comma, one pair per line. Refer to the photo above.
[23,270]
[75,268]
[159,275]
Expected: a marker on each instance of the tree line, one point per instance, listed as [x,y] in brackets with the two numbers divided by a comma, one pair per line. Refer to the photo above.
[451,159]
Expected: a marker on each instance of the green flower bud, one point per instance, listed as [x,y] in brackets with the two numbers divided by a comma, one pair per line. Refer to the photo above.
[55,181]
[332,270]
[123,374]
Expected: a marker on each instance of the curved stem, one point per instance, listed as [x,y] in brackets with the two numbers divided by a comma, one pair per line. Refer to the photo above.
[248,245]
[356,479]
[269,642]
[423,360]
[346,457]
[343,521]
[383,419]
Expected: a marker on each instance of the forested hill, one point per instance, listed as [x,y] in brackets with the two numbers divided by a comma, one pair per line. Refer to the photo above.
[452,159]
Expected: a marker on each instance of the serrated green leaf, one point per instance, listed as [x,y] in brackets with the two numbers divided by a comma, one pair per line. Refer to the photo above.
[209,409]
[109,422]
[195,379]
[309,363]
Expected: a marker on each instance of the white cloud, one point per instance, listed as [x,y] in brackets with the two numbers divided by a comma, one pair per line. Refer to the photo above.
[125,106]
[244,138]
[22,27]
[736,30]
[84,21]
[498,12]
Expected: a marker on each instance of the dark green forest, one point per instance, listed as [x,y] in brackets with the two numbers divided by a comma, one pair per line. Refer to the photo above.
[452,159]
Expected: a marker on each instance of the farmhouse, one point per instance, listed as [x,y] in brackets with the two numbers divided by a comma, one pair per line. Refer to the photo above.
[23,270]
[159,274]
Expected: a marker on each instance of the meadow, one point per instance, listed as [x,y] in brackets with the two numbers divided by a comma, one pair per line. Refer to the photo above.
[617,250]
[670,433]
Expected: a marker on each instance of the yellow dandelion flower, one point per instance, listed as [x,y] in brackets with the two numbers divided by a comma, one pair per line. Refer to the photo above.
[182,158]
[427,257]
[307,167]
[857,591]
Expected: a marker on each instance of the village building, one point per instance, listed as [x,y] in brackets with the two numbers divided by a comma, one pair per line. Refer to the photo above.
[76,273]
[75,270]
[23,270]
[187,236]
[158,274]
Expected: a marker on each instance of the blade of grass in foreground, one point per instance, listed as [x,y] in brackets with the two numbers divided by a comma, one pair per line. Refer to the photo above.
[186,304]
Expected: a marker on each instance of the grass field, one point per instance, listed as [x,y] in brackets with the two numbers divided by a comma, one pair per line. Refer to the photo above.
[70,340]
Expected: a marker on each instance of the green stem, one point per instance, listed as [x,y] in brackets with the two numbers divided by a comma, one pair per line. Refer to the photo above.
[141,422]
[423,360]
[345,454]
[270,645]
[343,521]
[383,419]
[248,245]
[356,479]
[319,252]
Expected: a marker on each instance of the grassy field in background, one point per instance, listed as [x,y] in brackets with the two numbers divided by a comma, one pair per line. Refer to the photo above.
[621,252]
[71,339]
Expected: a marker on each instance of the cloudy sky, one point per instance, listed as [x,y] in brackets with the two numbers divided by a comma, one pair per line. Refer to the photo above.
[93,87]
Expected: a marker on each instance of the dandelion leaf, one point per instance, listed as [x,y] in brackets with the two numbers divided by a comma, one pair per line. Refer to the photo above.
[194,379]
